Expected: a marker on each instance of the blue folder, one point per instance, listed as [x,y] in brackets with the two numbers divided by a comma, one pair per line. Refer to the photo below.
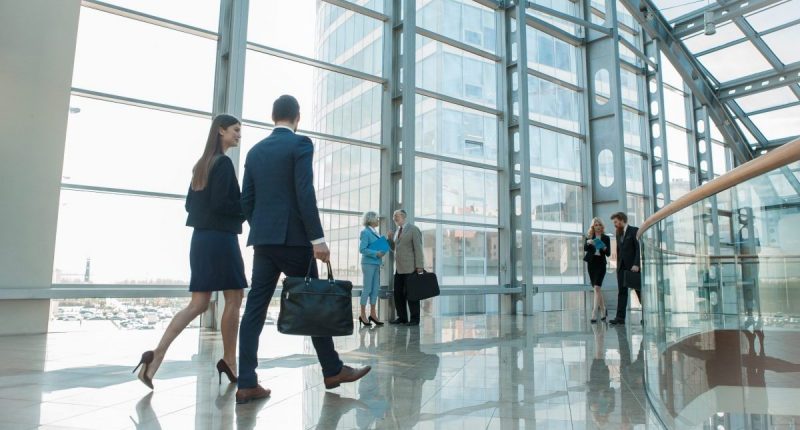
[598,244]
[380,245]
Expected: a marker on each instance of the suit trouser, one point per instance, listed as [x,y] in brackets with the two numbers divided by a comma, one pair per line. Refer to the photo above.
[622,295]
[268,263]
[401,299]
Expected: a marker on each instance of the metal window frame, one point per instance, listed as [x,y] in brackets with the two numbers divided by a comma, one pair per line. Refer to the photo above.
[228,98]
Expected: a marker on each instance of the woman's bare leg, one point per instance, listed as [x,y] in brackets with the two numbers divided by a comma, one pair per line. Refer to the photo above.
[197,305]
[230,326]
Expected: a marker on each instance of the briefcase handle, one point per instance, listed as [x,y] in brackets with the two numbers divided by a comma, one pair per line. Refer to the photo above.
[311,264]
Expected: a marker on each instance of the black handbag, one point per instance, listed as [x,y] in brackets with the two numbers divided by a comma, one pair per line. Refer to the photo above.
[421,286]
[316,307]
[632,280]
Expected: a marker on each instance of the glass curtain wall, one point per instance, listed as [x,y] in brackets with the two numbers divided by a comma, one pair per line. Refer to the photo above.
[129,81]
[339,109]
[456,140]
[557,115]
[138,119]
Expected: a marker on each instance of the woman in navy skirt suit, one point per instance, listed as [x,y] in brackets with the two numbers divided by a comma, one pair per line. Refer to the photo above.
[215,212]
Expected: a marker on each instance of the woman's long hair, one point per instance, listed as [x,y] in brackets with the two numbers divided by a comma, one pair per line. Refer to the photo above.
[213,150]
[595,220]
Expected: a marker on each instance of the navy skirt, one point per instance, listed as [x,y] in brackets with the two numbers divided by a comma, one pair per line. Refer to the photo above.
[216,261]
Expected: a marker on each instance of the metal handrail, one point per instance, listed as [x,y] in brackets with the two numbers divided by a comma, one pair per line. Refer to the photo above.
[782,156]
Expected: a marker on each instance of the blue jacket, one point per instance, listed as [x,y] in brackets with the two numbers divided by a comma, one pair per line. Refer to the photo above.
[278,198]
[368,256]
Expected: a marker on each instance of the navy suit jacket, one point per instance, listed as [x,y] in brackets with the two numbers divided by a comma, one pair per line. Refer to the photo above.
[628,254]
[278,198]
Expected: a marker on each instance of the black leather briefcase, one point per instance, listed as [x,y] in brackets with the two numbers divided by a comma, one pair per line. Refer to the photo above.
[316,307]
[632,279]
[421,286]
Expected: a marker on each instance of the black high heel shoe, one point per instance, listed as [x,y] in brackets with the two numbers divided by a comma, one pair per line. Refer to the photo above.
[375,321]
[222,367]
[605,315]
[364,323]
[146,361]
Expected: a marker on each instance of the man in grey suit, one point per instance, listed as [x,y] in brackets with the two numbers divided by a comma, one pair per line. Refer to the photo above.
[406,243]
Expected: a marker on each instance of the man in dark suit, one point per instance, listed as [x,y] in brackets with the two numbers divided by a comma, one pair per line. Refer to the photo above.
[627,260]
[280,204]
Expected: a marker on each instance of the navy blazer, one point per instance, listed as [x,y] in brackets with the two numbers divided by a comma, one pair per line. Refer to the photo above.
[278,198]
[217,206]
[628,254]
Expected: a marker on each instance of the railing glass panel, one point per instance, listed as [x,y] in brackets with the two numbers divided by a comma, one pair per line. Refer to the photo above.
[721,284]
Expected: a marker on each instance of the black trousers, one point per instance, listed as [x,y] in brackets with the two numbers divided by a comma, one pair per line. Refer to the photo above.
[622,295]
[401,300]
[268,263]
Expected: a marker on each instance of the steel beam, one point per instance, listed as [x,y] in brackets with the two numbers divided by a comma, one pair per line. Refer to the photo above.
[150,19]
[760,82]
[657,119]
[313,62]
[553,30]
[693,22]
[656,26]
[518,138]
[457,44]
[567,17]
[776,143]
[359,9]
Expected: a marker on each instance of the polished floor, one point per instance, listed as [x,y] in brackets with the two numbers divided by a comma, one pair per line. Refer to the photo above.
[549,371]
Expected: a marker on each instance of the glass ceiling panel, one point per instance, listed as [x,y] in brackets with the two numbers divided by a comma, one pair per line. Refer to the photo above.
[766,99]
[783,42]
[672,9]
[779,124]
[737,61]
[750,138]
[775,16]
[726,33]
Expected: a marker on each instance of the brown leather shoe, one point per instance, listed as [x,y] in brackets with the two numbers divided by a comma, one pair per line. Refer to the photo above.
[245,395]
[348,374]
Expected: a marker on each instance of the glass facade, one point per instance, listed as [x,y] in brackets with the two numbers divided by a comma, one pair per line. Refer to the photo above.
[347,72]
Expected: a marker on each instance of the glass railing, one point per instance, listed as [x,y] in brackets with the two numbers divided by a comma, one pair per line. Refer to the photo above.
[721,284]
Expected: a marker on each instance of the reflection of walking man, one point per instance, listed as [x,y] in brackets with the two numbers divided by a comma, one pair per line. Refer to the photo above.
[406,384]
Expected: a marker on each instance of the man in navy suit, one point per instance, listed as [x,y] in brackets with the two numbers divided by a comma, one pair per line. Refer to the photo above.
[280,204]
[628,259]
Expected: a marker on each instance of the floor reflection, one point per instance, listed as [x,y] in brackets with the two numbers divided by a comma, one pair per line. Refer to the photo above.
[729,376]
[553,371]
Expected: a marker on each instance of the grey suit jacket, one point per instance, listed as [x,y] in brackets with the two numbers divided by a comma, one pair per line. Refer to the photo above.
[408,250]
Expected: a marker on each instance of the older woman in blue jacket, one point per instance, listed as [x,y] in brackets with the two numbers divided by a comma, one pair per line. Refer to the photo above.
[371,267]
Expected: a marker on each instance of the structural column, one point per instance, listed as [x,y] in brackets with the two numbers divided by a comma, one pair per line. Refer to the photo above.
[607,146]
[519,172]
[36,63]
[229,94]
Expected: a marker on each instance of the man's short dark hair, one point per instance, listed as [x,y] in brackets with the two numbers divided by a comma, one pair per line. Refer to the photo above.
[285,108]
[620,216]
